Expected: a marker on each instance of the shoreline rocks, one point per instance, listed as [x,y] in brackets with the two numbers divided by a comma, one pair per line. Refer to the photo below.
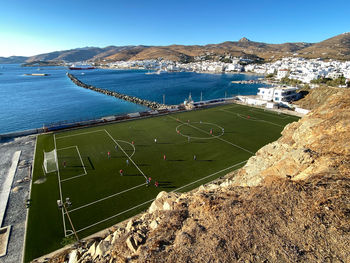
[150,104]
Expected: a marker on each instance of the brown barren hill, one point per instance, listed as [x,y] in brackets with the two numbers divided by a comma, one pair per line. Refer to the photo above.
[289,203]
[125,54]
[316,97]
[337,47]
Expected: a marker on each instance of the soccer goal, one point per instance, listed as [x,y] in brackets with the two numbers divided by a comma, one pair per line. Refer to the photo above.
[50,161]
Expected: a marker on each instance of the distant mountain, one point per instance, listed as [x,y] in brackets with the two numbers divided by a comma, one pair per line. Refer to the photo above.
[241,48]
[78,54]
[337,47]
[13,60]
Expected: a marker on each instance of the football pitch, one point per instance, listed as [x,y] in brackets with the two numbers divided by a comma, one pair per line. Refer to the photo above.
[179,151]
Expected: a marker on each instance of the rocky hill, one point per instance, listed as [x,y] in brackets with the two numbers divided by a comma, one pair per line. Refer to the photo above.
[243,47]
[337,47]
[315,97]
[289,203]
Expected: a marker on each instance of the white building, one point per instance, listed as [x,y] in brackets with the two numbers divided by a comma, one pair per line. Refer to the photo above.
[281,73]
[279,94]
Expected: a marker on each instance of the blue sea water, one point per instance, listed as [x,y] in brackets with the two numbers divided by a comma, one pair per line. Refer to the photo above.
[176,86]
[28,102]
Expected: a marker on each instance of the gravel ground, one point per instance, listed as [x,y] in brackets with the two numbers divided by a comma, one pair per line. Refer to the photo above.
[16,208]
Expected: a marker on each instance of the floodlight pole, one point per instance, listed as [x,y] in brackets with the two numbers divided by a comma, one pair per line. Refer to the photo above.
[62,205]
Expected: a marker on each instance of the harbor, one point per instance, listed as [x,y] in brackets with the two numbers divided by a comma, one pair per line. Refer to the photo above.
[149,104]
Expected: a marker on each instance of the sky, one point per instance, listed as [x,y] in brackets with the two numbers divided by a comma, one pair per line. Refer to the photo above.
[31,27]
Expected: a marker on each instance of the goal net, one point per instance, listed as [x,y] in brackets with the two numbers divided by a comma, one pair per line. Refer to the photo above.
[50,161]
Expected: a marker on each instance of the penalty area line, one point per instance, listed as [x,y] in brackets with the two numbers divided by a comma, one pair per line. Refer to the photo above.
[59,185]
[105,198]
[81,161]
[106,219]
[125,211]
[125,154]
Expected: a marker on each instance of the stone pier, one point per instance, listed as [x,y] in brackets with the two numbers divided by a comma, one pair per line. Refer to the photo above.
[150,104]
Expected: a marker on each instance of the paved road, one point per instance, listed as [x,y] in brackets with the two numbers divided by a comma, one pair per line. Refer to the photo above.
[16,210]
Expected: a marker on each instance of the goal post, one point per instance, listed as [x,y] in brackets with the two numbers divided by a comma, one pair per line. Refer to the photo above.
[50,161]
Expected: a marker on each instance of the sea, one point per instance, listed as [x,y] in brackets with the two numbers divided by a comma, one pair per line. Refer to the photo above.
[29,102]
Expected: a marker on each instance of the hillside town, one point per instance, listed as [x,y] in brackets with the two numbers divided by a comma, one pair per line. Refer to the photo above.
[301,69]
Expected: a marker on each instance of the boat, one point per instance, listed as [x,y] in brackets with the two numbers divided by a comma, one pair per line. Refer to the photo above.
[158,72]
[36,74]
[81,67]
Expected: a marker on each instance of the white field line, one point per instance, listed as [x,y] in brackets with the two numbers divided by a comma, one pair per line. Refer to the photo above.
[66,148]
[42,166]
[61,137]
[82,163]
[233,106]
[123,212]
[106,219]
[271,114]
[81,159]
[259,120]
[73,177]
[235,145]
[126,154]
[209,176]
[105,198]
[59,185]
[131,146]
[200,138]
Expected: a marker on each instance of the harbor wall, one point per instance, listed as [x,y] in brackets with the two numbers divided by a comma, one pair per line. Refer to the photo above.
[20,133]
[150,104]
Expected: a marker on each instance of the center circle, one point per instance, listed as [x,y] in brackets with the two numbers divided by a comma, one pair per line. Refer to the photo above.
[200,138]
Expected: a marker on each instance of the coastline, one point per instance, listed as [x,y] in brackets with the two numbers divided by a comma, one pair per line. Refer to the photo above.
[194,71]
[19,122]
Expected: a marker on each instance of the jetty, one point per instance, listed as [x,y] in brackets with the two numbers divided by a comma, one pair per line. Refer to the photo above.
[150,104]
[258,81]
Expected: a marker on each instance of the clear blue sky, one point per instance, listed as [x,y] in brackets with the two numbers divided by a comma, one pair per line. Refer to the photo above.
[30,27]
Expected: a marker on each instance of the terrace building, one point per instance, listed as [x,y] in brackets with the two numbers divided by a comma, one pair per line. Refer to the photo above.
[279,94]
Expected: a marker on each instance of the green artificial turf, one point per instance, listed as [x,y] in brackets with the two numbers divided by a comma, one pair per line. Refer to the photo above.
[101,197]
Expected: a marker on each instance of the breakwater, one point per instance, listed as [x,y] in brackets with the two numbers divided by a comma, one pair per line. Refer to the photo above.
[258,81]
[150,104]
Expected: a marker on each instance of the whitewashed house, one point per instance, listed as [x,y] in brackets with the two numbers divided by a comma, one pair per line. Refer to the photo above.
[281,73]
[279,94]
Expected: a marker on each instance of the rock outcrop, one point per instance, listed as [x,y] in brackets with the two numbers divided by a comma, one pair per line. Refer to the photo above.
[316,144]
[316,97]
[147,103]
[289,203]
